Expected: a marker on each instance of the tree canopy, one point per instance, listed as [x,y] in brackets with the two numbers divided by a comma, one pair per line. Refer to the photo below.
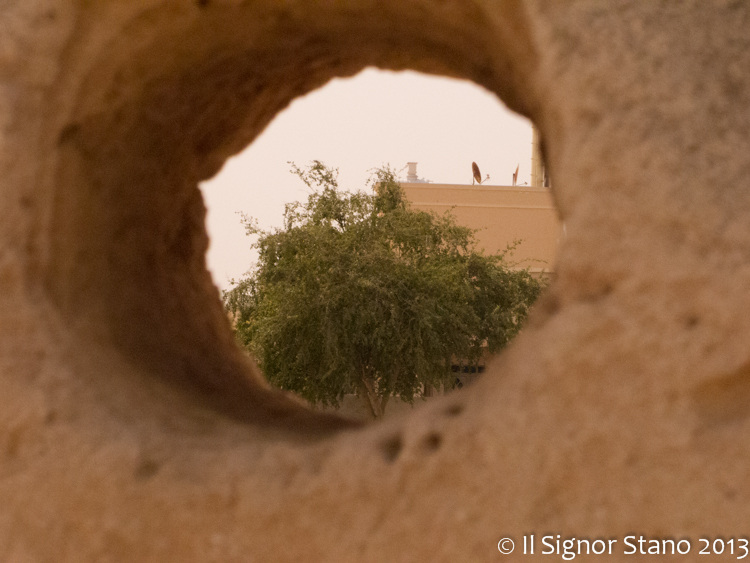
[360,293]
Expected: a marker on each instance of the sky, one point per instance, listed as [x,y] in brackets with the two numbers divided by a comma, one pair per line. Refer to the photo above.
[358,124]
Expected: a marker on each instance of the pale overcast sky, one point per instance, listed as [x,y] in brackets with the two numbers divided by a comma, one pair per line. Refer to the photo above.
[357,124]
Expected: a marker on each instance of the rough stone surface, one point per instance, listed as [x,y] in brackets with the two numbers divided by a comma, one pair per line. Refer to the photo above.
[132,429]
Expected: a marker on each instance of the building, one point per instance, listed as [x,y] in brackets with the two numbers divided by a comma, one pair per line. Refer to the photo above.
[502,215]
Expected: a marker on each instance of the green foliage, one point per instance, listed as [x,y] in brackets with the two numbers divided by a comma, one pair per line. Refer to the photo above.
[360,293]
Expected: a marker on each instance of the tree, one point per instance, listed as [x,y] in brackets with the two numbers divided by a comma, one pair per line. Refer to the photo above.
[360,293]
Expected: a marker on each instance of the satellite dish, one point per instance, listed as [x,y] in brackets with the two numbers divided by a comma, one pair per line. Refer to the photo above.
[477,174]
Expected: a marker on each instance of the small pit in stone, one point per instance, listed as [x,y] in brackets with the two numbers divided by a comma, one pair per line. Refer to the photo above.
[391,448]
[432,442]
[146,469]
[454,410]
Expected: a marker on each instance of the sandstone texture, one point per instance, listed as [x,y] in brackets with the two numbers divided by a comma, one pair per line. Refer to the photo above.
[133,429]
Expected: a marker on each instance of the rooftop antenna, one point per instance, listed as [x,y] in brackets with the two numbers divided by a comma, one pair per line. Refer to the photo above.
[477,175]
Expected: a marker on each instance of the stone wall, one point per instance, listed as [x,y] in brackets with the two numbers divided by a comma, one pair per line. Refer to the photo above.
[131,427]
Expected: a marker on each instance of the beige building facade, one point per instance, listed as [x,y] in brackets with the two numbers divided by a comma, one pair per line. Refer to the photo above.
[501,215]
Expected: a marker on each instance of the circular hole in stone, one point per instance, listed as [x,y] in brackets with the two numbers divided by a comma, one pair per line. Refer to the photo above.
[125,228]
[384,118]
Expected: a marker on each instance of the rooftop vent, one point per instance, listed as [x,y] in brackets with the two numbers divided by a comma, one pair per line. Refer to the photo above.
[411,175]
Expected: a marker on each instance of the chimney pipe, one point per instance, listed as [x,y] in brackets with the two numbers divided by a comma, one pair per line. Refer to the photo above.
[411,175]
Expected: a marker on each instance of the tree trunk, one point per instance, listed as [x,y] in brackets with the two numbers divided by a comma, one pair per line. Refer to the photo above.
[370,398]
[364,396]
[372,395]
[384,402]
[374,404]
